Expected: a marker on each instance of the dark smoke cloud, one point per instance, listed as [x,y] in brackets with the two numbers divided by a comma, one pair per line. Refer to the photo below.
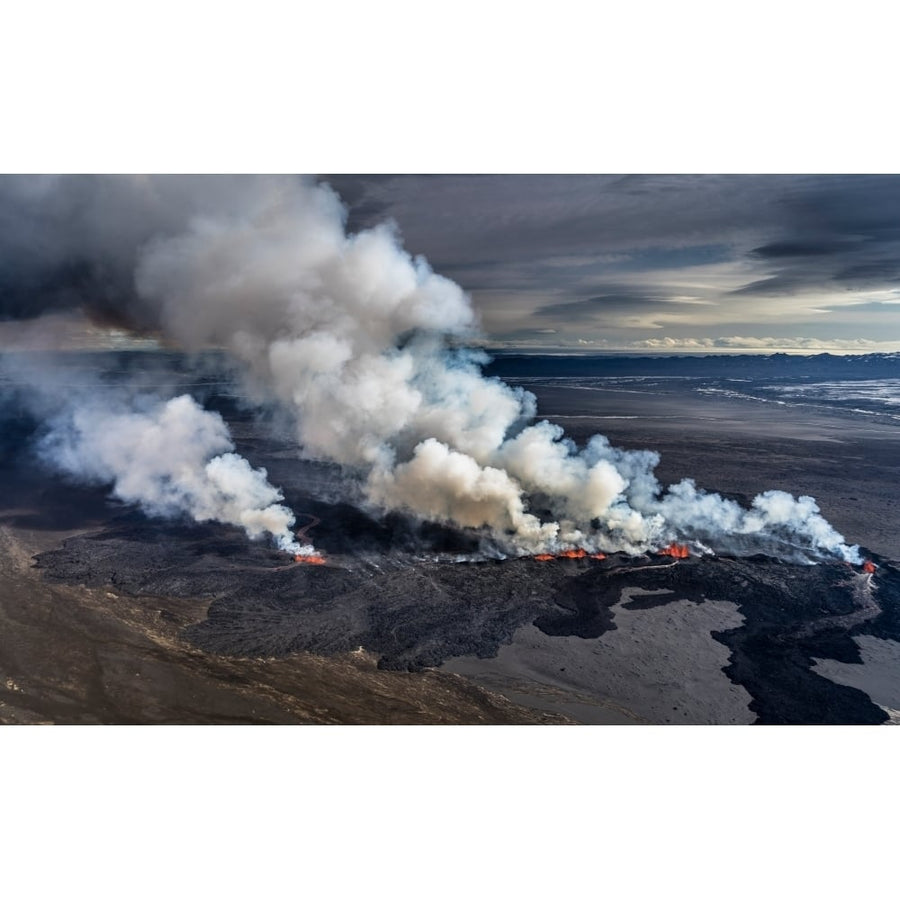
[74,241]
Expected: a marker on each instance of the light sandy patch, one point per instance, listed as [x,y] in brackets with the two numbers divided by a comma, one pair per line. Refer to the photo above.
[659,665]
[878,675]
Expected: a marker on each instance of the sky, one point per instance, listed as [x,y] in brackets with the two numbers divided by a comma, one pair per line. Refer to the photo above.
[657,262]
[574,263]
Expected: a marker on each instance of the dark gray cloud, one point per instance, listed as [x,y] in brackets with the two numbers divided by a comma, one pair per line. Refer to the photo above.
[503,219]
[617,299]
[799,249]
[626,256]
[73,241]
[838,232]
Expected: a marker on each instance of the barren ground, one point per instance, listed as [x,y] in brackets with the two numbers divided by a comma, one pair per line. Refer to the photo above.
[128,620]
[76,654]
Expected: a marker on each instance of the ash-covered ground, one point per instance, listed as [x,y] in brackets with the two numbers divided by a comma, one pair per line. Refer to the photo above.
[624,639]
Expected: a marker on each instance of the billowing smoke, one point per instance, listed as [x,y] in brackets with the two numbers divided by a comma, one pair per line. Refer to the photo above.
[173,459]
[363,344]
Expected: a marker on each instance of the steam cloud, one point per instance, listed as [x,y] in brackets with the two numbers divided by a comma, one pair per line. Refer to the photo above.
[172,459]
[362,343]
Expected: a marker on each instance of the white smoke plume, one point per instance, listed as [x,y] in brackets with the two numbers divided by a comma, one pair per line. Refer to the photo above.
[359,341]
[172,459]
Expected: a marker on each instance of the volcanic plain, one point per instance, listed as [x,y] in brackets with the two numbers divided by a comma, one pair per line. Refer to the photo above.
[110,616]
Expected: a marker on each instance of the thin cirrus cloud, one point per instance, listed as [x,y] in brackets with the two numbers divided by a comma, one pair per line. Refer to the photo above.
[620,261]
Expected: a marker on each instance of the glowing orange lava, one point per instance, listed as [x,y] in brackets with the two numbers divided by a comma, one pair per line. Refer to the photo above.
[678,551]
[314,559]
[869,567]
[579,553]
